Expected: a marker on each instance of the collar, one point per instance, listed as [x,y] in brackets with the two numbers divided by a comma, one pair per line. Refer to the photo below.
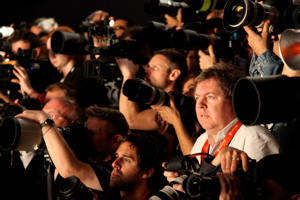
[221,134]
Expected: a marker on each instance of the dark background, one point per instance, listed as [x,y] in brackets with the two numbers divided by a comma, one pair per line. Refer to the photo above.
[68,12]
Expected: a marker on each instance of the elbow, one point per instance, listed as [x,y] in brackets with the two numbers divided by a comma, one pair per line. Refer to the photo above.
[69,170]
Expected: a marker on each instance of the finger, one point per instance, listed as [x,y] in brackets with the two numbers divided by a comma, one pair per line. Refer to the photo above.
[235,162]
[244,158]
[17,74]
[172,103]
[168,17]
[265,31]
[165,127]
[248,30]
[226,162]
[14,80]
[211,52]
[20,69]
[201,53]
[179,15]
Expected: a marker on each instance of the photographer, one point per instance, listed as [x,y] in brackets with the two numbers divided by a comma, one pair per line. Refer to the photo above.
[24,171]
[25,56]
[214,109]
[137,162]
[165,71]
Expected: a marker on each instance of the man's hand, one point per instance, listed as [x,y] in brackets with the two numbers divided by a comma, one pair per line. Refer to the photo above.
[258,42]
[33,115]
[168,113]
[230,158]
[171,176]
[207,60]
[22,79]
[177,22]
[127,67]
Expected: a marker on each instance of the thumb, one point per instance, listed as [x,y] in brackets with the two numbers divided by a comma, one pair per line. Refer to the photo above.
[172,103]
[201,53]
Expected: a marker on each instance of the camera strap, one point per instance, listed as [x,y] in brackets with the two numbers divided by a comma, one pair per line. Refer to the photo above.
[226,140]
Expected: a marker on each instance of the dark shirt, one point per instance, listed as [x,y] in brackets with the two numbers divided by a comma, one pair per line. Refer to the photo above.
[20,183]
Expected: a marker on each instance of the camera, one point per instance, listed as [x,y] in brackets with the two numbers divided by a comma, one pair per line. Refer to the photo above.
[190,8]
[282,14]
[255,98]
[23,134]
[6,72]
[203,187]
[105,67]
[142,92]
[72,188]
[159,36]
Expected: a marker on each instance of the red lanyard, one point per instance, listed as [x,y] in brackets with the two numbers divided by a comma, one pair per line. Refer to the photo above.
[228,137]
[145,195]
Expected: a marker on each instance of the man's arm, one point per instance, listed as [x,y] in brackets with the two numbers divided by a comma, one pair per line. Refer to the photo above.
[61,154]
[264,62]
[172,116]
[136,118]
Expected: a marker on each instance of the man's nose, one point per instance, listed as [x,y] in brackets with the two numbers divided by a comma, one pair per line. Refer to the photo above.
[201,102]
[116,163]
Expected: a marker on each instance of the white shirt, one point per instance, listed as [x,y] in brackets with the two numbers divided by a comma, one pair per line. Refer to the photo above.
[256,141]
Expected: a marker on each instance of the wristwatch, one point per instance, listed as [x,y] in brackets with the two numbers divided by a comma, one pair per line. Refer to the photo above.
[47,122]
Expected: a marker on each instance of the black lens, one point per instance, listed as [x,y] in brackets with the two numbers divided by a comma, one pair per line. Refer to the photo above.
[140,91]
[237,13]
[9,133]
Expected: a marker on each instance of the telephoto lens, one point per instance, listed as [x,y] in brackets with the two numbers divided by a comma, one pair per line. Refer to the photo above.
[140,91]
[238,13]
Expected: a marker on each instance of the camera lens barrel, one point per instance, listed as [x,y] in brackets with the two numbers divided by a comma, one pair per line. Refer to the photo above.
[63,42]
[140,91]
[238,13]
[21,134]
[255,98]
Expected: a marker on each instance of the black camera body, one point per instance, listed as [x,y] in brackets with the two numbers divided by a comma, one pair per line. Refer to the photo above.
[204,187]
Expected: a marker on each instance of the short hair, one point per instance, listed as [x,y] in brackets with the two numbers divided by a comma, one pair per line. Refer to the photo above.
[129,21]
[116,120]
[47,24]
[226,74]
[67,87]
[25,35]
[177,60]
[151,152]
[75,114]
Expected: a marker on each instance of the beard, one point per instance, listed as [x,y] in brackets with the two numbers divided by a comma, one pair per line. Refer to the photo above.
[118,181]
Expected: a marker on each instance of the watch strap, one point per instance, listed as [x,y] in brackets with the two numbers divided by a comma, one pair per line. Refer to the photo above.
[47,122]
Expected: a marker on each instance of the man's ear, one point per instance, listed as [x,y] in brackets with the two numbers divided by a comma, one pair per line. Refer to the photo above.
[148,173]
[175,73]
[37,52]
[116,139]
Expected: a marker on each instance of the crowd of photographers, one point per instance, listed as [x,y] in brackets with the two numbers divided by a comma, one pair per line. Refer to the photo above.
[201,104]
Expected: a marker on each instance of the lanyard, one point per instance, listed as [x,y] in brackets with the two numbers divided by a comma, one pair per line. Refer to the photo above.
[228,137]
[145,194]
